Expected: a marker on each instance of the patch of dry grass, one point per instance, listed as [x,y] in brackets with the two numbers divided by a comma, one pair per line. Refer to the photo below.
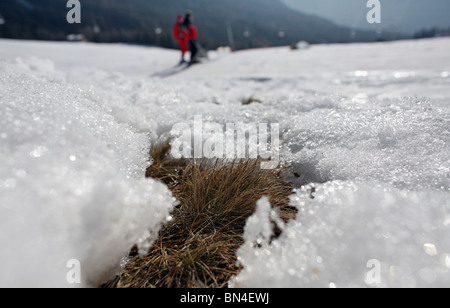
[250,100]
[198,247]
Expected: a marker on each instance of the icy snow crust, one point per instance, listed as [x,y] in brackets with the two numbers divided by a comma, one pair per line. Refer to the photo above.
[71,183]
[368,124]
[345,228]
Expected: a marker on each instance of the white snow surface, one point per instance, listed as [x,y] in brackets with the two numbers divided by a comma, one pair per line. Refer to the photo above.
[364,126]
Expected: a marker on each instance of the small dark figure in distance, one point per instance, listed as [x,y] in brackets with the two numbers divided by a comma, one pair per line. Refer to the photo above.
[193,37]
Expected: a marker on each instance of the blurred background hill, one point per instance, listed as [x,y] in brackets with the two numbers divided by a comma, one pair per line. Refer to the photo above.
[405,16]
[254,23]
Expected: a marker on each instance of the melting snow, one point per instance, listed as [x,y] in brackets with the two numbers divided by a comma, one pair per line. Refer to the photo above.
[368,124]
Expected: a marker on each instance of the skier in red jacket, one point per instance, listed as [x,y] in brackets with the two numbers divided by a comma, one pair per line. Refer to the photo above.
[181,34]
[193,36]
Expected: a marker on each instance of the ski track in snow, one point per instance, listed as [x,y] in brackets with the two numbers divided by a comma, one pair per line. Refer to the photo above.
[368,121]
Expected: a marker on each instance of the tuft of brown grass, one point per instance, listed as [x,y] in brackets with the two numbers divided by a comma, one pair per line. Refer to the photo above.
[197,248]
[250,100]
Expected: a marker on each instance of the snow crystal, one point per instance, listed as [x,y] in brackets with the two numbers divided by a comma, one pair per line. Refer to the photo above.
[343,227]
[71,182]
[387,140]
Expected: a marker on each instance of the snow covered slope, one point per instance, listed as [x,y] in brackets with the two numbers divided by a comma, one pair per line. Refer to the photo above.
[369,121]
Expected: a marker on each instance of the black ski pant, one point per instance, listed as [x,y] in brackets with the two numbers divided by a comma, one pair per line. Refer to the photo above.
[193,49]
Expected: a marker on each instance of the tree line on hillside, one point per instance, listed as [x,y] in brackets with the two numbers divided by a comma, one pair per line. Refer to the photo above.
[432,32]
[254,23]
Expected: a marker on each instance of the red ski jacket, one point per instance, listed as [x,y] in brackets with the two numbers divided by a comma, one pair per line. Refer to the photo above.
[193,35]
[180,32]
[183,33]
